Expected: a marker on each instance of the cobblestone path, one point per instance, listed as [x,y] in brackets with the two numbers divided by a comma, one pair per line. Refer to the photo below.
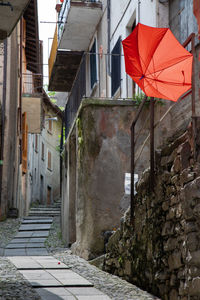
[59,275]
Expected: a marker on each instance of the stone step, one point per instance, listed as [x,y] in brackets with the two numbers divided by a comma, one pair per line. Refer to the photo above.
[44,209]
[44,213]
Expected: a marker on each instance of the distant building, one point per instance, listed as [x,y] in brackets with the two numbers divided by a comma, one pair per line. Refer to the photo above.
[44,157]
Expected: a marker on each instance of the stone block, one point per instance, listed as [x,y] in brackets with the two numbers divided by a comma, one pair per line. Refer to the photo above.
[173,295]
[194,258]
[176,168]
[192,241]
[194,288]
[170,244]
[174,199]
[186,176]
[165,205]
[171,214]
[178,211]
[128,268]
[174,260]
[168,229]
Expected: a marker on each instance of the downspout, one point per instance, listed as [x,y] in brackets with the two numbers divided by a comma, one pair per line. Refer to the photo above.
[108,41]
[3,116]
[61,159]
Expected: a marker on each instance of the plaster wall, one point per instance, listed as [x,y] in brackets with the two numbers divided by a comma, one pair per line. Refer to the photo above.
[10,176]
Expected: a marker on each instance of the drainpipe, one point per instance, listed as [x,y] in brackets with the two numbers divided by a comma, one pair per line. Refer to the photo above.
[108,41]
[3,115]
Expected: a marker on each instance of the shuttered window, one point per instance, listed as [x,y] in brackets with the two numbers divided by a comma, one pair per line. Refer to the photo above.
[49,162]
[93,65]
[24,142]
[116,67]
[42,154]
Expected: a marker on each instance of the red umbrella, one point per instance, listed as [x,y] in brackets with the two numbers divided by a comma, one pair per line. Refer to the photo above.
[157,62]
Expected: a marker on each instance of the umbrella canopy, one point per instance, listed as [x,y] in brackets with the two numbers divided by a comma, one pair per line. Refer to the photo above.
[157,62]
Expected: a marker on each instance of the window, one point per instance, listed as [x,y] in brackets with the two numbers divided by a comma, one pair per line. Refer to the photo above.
[49,162]
[42,154]
[116,67]
[93,65]
[50,126]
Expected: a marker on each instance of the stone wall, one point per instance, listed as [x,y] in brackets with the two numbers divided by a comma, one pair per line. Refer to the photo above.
[160,252]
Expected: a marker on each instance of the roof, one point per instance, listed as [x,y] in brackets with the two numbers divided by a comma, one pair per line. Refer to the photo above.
[52,106]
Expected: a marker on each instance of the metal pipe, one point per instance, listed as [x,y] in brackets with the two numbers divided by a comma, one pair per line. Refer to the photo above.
[3,116]
[152,102]
[193,96]
[108,41]
[132,204]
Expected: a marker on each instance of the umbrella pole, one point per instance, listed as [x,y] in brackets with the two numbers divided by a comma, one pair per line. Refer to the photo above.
[152,143]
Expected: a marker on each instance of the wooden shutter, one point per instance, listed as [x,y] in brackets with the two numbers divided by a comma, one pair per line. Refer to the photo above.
[24,142]
[49,160]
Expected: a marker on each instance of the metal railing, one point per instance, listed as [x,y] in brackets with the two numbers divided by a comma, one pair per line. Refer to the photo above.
[62,17]
[77,93]
[98,85]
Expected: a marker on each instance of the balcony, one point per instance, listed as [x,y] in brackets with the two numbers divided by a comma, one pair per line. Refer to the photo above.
[10,13]
[76,26]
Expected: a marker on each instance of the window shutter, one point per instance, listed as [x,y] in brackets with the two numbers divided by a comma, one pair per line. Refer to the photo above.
[24,142]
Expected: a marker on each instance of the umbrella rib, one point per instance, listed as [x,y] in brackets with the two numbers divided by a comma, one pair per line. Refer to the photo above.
[161,70]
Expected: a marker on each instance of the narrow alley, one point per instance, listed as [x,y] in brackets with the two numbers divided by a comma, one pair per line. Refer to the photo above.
[99,149]
[35,265]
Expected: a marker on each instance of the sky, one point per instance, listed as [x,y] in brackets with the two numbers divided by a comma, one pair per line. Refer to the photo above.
[47,13]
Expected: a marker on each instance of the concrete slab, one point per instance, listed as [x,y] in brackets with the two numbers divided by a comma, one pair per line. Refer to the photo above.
[93,297]
[24,262]
[36,221]
[54,293]
[40,278]
[40,234]
[15,252]
[16,246]
[82,291]
[24,234]
[19,240]
[69,278]
[33,227]
[36,251]
[35,245]
[36,218]
[37,240]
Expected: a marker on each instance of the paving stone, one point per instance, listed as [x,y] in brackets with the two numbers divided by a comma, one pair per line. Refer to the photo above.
[24,262]
[36,221]
[14,252]
[34,227]
[36,251]
[69,278]
[40,234]
[37,240]
[36,218]
[24,234]
[19,240]
[55,291]
[99,297]
[54,294]
[82,291]
[16,246]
